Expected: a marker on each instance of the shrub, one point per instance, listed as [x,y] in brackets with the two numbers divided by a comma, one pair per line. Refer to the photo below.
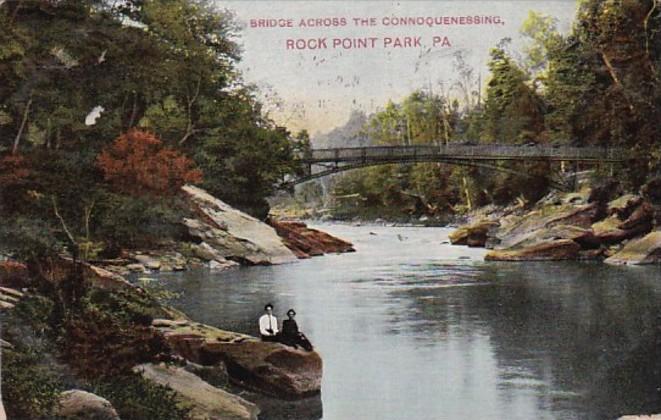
[137,164]
[29,390]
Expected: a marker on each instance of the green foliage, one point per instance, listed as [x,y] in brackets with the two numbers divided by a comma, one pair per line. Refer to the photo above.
[136,398]
[107,335]
[37,311]
[512,111]
[28,238]
[29,389]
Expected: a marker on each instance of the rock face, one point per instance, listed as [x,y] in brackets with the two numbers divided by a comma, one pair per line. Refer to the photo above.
[581,225]
[306,242]
[646,250]
[520,229]
[235,235]
[270,368]
[205,401]
[79,404]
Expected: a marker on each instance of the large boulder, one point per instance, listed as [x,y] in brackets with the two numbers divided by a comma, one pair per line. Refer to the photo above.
[83,405]
[205,401]
[270,368]
[544,218]
[473,235]
[554,250]
[234,234]
[306,242]
[584,237]
[646,250]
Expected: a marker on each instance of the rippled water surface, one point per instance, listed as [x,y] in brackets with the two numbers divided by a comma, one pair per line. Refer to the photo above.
[410,327]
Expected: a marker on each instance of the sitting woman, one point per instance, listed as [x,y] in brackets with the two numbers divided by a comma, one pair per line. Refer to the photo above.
[290,334]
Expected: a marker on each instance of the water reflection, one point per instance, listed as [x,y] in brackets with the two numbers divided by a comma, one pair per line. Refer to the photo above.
[412,329]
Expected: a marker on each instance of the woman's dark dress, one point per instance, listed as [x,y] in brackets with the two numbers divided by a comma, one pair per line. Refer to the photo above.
[292,337]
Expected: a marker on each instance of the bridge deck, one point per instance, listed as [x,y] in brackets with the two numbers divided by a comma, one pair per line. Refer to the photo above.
[465,152]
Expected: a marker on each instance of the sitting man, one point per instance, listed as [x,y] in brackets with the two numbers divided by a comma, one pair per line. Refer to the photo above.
[290,334]
[268,324]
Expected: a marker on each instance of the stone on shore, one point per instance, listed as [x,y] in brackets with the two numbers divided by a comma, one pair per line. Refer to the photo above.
[216,261]
[205,401]
[234,234]
[554,250]
[80,404]
[473,235]
[646,250]
[270,368]
[306,242]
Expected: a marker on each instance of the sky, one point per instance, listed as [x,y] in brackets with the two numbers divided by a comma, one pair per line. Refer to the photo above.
[313,74]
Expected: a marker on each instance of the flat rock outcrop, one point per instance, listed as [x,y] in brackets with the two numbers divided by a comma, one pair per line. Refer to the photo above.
[646,250]
[270,368]
[234,234]
[554,250]
[205,401]
[306,242]
[78,404]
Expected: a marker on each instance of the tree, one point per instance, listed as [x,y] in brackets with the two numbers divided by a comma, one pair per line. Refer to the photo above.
[137,163]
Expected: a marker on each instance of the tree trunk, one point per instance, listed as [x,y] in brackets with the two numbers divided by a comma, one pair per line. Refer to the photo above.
[20,130]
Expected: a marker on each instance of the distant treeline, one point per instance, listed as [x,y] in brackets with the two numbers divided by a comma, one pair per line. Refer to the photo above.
[599,85]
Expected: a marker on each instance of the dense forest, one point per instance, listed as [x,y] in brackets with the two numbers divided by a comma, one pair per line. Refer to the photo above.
[595,86]
[107,108]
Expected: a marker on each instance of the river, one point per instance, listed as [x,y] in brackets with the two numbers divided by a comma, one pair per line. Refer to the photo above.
[410,327]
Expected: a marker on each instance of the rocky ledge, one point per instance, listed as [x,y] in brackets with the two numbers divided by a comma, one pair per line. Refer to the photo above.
[306,242]
[270,368]
[588,224]
[222,237]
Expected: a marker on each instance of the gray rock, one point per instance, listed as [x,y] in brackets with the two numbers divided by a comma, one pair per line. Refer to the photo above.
[646,250]
[85,405]
[205,400]
[233,233]
[136,268]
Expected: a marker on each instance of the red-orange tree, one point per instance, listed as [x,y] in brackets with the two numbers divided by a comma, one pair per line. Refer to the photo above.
[137,163]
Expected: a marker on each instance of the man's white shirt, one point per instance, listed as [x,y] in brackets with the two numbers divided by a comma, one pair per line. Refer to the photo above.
[267,322]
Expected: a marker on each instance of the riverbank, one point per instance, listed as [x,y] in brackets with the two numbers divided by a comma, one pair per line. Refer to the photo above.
[594,223]
[116,332]
[78,337]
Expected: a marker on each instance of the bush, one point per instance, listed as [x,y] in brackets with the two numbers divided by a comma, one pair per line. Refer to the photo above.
[137,163]
[29,391]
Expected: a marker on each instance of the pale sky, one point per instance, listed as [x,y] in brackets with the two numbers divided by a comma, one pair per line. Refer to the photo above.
[317,89]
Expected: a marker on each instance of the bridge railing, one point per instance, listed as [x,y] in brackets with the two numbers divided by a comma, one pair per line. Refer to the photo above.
[459,151]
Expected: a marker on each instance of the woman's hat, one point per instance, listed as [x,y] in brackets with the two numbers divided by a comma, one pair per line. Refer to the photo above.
[291,311]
